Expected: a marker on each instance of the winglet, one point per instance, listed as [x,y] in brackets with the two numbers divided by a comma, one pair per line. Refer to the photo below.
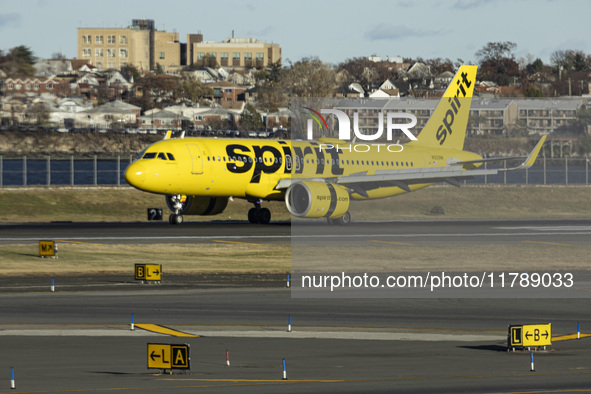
[532,156]
[168,135]
[534,153]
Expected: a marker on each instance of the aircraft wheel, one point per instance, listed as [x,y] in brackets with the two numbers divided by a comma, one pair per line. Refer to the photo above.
[344,220]
[253,216]
[175,219]
[264,216]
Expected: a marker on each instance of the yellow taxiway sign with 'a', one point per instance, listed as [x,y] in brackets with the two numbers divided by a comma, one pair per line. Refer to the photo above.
[530,335]
[148,272]
[169,356]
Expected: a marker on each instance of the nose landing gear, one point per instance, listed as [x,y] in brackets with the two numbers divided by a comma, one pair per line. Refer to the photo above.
[176,217]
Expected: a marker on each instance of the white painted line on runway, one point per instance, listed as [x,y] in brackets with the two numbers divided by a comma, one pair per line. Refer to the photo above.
[79,333]
[547,228]
[354,335]
[302,236]
[348,335]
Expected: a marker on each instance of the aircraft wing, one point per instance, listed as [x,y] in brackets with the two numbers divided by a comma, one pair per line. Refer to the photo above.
[361,182]
[529,160]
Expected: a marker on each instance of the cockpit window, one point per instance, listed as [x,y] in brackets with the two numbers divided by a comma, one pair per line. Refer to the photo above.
[141,154]
[170,156]
[150,155]
[162,156]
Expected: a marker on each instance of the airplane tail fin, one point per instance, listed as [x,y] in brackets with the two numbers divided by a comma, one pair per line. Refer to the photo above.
[447,126]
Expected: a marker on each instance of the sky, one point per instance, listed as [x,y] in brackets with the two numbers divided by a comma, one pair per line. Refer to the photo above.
[331,30]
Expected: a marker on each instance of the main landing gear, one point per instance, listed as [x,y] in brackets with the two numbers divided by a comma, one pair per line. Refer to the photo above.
[259,215]
[342,221]
[176,217]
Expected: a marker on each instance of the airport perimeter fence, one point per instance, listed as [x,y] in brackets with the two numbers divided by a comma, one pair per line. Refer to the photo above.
[110,171]
[64,171]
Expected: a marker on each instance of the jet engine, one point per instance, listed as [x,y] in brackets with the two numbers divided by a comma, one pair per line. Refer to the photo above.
[310,199]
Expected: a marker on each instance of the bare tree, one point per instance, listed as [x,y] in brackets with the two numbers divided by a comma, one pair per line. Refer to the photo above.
[497,62]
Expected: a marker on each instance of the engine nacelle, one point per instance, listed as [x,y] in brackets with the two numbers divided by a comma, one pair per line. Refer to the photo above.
[195,205]
[317,200]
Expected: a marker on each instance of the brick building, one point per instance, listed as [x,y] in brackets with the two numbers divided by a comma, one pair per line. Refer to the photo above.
[237,53]
[30,85]
[140,45]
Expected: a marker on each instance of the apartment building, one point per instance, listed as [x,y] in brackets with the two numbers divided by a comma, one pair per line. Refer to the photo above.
[140,45]
[487,116]
[545,116]
[236,52]
[492,116]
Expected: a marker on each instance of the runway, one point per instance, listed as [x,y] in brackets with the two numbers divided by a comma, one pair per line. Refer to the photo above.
[78,339]
[420,232]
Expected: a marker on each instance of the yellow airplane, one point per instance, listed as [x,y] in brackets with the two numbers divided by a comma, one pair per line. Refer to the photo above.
[316,179]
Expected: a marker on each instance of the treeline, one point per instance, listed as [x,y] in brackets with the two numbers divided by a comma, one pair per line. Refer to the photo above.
[567,74]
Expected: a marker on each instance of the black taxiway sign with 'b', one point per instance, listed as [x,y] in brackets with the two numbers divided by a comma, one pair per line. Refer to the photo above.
[169,356]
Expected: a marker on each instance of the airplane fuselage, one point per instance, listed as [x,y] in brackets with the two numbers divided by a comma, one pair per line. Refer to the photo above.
[252,169]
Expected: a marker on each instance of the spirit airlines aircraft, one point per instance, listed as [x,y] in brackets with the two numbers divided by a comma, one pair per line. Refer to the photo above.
[316,179]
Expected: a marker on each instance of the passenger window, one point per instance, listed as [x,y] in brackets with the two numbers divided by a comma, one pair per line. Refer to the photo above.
[170,156]
[150,155]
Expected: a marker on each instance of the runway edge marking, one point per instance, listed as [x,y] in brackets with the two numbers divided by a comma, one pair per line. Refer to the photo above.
[164,330]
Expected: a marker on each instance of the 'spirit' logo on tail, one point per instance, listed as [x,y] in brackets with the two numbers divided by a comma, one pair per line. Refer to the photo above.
[448,120]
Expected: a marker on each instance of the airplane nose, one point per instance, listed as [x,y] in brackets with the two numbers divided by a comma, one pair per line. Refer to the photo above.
[135,174]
